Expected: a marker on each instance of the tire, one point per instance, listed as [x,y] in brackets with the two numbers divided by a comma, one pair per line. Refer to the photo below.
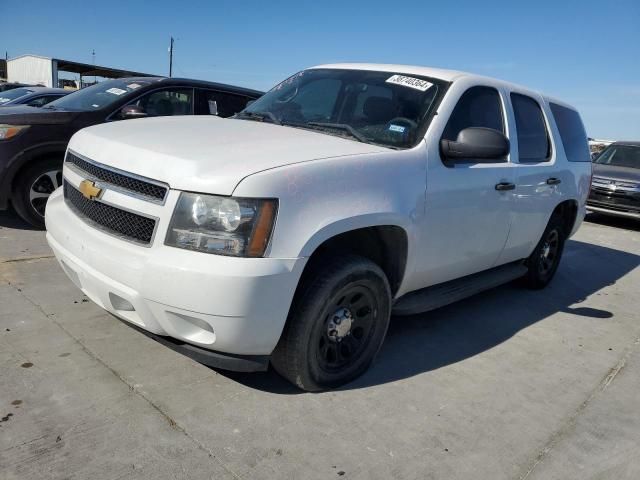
[32,187]
[545,259]
[336,325]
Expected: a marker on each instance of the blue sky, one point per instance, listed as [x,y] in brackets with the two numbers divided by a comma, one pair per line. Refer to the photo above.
[584,52]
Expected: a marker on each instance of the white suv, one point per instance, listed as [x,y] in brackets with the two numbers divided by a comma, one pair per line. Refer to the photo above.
[290,233]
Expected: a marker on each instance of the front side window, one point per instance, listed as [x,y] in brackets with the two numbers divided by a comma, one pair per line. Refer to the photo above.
[620,156]
[533,139]
[382,108]
[166,102]
[40,101]
[477,107]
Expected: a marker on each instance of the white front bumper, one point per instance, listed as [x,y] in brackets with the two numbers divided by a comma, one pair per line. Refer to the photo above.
[225,304]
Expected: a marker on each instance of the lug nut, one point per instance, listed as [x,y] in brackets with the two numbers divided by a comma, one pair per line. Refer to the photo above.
[338,320]
[333,333]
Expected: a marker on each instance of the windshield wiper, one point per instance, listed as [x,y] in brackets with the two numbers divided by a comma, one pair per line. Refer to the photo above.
[262,116]
[341,126]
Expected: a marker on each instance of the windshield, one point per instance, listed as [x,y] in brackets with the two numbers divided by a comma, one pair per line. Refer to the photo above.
[382,108]
[13,94]
[620,156]
[97,96]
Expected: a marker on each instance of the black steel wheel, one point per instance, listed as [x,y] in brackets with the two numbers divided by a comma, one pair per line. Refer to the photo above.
[336,325]
[545,259]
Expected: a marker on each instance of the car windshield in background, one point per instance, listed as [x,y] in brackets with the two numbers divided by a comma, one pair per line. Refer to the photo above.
[96,96]
[9,95]
[620,156]
[383,108]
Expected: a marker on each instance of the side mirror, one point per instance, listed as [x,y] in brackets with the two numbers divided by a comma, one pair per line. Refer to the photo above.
[476,143]
[132,111]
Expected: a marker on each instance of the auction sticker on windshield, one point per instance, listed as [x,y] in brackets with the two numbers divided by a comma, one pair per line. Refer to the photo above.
[410,82]
[116,91]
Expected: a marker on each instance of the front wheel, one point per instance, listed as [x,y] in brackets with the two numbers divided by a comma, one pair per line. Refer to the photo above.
[545,259]
[32,189]
[336,325]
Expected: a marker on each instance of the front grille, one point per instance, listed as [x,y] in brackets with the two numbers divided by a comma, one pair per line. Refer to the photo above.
[126,182]
[115,221]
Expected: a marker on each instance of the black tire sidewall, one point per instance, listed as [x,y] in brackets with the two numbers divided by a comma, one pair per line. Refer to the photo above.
[21,188]
[535,278]
[308,315]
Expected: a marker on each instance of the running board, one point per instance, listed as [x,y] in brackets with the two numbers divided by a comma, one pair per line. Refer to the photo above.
[443,294]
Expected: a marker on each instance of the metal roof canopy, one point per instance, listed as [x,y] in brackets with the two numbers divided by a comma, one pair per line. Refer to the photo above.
[88,70]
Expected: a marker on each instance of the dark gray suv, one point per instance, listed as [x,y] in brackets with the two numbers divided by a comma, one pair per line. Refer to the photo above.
[615,187]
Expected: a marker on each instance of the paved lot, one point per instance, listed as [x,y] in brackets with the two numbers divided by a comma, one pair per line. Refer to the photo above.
[511,384]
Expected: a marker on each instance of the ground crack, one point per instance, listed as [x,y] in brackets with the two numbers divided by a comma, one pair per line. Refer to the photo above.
[571,421]
[175,425]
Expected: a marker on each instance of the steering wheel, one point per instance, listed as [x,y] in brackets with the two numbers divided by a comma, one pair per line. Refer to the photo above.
[403,120]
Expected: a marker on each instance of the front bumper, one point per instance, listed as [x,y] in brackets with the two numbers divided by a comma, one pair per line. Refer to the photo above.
[235,306]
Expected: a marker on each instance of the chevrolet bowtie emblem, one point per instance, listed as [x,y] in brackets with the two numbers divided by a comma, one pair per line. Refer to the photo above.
[89,190]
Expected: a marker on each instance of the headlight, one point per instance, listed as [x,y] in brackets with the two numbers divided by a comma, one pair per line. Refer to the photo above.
[10,131]
[239,227]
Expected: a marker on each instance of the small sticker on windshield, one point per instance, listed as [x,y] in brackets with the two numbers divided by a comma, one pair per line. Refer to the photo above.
[133,86]
[411,82]
[396,128]
[116,91]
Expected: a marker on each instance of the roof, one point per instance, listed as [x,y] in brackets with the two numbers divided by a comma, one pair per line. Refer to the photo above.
[215,85]
[630,143]
[439,73]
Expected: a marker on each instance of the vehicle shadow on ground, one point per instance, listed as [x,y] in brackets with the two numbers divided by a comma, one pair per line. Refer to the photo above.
[10,219]
[611,221]
[426,342]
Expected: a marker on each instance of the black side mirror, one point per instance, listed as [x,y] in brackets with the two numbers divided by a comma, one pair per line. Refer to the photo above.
[132,111]
[476,143]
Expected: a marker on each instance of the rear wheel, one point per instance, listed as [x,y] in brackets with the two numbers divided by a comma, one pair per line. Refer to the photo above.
[545,259]
[336,325]
[32,189]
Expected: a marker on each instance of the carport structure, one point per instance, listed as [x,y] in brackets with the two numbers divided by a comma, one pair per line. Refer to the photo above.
[38,70]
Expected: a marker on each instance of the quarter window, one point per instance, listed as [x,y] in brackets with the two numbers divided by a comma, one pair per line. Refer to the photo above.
[533,138]
[478,107]
[572,133]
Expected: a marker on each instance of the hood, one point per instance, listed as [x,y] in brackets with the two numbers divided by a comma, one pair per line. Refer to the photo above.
[206,153]
[611,172]
[25,115]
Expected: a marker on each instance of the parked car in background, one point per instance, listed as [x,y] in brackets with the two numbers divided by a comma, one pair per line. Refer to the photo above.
[289,233]
[31,96]
[615,187]
[4,86]
[33,141]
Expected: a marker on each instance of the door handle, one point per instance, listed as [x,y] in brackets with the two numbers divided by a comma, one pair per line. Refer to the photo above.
[553,181]
[502,186]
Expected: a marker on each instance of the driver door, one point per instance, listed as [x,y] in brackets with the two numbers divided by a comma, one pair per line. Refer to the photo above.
[467,218]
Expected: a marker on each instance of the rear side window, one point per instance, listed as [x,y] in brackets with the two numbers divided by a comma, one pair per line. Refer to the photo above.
[572,133]
[477,107]
[533,138]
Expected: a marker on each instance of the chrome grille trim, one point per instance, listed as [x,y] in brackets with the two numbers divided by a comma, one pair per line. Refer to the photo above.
[114,220]
[118,180]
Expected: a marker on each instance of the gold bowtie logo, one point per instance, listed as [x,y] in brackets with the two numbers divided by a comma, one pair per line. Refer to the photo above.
[89,190]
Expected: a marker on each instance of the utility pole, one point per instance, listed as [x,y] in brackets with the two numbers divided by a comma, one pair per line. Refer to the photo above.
[171,57]
[93,60]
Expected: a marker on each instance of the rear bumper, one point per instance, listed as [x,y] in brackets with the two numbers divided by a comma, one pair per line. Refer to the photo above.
[229,306]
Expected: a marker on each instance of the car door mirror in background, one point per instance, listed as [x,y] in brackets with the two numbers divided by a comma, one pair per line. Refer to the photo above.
[476,143]
[132,111]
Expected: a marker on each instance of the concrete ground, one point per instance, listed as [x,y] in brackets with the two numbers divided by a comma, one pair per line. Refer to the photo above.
[510,384]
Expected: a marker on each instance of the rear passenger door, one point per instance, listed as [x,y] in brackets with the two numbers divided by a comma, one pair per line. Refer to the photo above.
[539,174]
[222,104]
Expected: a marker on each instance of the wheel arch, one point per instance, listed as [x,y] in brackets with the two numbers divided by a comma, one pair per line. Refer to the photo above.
[23,160]
[568,211]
